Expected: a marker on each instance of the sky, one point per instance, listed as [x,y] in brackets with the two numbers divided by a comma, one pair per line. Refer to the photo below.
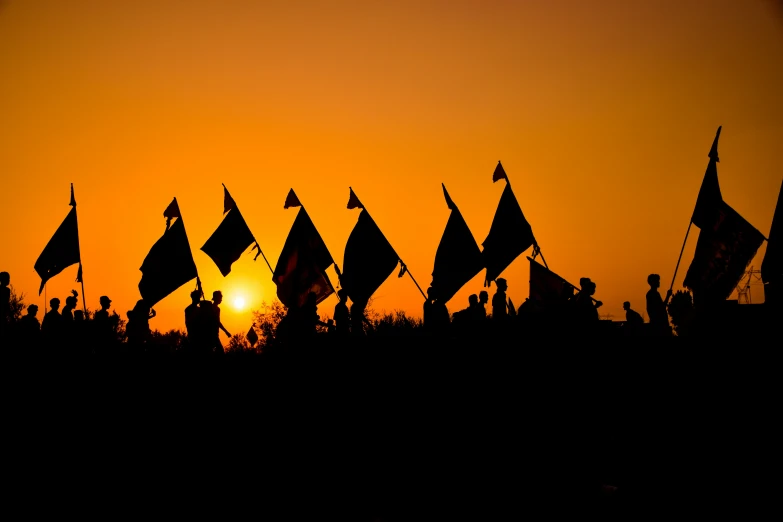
[601,112]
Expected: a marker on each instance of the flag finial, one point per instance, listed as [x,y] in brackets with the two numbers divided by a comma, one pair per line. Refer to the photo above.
[73,199]
[291,200]
[714,149]
[171,212]
[353,201]
[499,173]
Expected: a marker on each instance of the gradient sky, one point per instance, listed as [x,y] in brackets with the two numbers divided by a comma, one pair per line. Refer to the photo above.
[602,113]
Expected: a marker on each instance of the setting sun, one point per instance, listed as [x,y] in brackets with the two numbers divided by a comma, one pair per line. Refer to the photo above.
[239,303]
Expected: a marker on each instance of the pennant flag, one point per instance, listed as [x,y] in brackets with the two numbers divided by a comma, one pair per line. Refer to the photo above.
[368,261]
[353,201]
[509,236]
[62,250]
[772,266]
[546,287]
[723,253]
[708,202]
[499,173]
[231,239]
[302,266]
[252,336]
[169,263]
[458,258]
[171,212]
[291,200]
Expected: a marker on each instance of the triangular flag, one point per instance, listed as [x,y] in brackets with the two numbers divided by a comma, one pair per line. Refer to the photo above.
[62,250]
[171,212]
[291,200]
[353,201]
[231,239]
[458,258]
[368,261]
[709,199]
[169,263]
[509,236]
[499,173]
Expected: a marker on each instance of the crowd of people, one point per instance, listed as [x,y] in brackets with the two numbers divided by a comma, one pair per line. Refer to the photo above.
[99,332]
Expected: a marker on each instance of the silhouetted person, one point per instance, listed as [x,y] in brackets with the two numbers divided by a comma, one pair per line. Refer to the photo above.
[308,317]
[585,309]
[103,333]
[632,317]
[205,329]
[192,322]
[52,326]
[70,303]
[217,298]
[342,317]
[30,328]
[436,315]
[657,307]
[358,319]
[483,300]
[466,320]
[138,327]
[5,304]
[500,302]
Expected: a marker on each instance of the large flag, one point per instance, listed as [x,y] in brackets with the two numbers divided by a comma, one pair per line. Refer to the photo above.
[708,202]
[169,263]
[302,266]
[510,234]
[772,266]
[62,250]
[723,253]
[369,258]
[231,238]
[546,287]
[458,258]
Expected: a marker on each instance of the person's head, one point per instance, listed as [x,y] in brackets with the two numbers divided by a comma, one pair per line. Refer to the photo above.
[483,297]
[654,280]
[78,315]
[141,309]
[342,294]
[5,278]
[32,310]
[502,285]
[473,300]
[105,302]
[217,297]
[54,303]
[195,296]
[71,301]
[626,305]
[432,294]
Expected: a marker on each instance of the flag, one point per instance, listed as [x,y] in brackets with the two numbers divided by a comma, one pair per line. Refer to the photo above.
[499,173]
[772,266]
[509,236]
[709,199]
[302,265]
[723,253]
[291,200]
[169,263]
[546,287]
[458,258]
[353,201]
[231,238]
[62,250]
[368,261]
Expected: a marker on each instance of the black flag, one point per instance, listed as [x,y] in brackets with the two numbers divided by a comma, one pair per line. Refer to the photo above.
[169,263]
[369,259]
[231,238]
[302,265]
[509,236]
[458,258]
[709,199]
[62,250]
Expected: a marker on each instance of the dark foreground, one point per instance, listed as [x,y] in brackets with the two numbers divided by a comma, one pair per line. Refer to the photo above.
[400,430]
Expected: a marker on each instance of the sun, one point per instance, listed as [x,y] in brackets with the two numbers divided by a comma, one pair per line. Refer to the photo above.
[239,303]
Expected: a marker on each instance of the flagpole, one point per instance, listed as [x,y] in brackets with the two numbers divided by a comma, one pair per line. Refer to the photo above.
[680,258]
[84,299]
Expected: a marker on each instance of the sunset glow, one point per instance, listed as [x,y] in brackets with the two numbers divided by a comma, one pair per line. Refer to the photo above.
[602,114]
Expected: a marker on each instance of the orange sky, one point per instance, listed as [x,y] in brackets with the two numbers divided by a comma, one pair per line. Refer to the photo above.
[602,113]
